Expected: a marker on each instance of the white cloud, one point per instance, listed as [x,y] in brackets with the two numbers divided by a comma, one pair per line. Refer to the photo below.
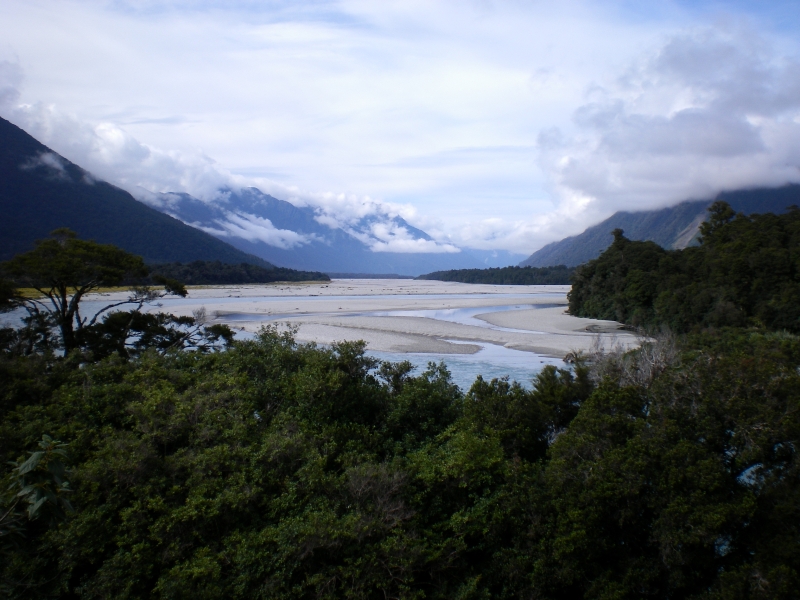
[111,153]
[391,237]
[350,96]
[412,245]
[347,210]
[710,110]
[256,229]
[48,160]
[10,81]
[490,125]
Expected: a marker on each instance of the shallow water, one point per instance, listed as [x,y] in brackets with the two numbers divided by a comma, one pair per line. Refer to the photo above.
[491,361]
[167,302]
[89,306]
[463,316]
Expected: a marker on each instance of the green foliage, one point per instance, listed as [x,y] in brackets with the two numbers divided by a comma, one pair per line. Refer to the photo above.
[35,500]
[9,298]
[559,275]
[63,269]
[41,482]
[130,333]
[202,272]
[278,470]
[745,272]
[64,262]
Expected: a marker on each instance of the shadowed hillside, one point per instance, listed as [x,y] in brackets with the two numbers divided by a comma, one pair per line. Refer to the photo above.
[41,191]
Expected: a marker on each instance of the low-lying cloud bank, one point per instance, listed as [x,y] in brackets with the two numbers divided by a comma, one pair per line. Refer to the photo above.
[256,229]
[709,111]
[112,154]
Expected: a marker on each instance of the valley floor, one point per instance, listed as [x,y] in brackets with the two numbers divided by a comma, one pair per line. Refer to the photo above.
[393,315]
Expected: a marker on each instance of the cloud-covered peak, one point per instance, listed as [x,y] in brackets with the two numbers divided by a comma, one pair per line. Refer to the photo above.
[255,229]
[711,110]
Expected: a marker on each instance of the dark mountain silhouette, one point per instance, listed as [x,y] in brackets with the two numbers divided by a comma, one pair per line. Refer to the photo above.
[41,191]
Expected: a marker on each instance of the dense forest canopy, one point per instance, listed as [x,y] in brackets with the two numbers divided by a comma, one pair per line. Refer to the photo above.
[158,468]
[202,272]
[559,275]
[277,470]
[746,271]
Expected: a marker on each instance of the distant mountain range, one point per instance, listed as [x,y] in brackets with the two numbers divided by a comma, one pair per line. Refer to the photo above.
[306,237]
[672,228]
[41,191]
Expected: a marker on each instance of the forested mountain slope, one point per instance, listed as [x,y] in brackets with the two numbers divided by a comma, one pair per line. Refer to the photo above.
[41,191]
[745,272]
[202,272]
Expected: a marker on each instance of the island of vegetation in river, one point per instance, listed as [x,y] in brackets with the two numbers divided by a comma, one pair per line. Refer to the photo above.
[559,275]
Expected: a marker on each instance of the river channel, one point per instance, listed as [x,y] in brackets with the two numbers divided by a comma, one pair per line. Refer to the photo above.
[421,322]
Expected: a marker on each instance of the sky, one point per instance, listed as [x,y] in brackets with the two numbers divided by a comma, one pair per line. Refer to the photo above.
[489,124]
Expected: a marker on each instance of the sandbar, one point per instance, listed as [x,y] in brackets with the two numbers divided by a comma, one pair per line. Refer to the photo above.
[345,309]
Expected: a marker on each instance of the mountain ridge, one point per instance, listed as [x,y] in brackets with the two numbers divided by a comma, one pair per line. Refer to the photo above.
[305,237]
[40,191]
[672,228]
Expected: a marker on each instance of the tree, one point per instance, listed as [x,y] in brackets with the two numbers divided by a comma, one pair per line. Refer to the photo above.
[63,269]
[130,333]
[35,502]
[746,271]
[719,214]
[8,295]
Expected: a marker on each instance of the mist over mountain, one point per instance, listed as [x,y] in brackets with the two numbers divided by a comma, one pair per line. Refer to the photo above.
[41,191]
[674,227]
[305,237]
